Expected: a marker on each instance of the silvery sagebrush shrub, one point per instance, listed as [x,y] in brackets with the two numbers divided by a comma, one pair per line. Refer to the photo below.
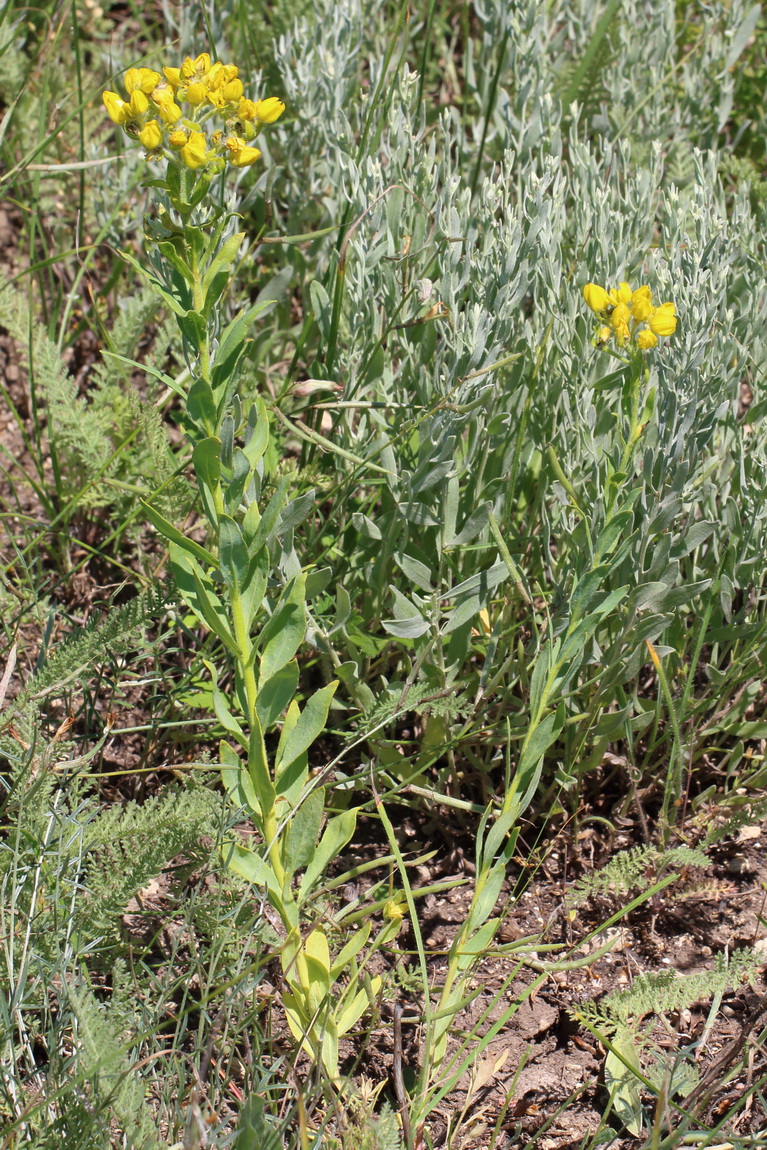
[451,270]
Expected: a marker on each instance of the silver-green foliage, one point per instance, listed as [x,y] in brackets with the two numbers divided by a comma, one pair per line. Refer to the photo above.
[467,240]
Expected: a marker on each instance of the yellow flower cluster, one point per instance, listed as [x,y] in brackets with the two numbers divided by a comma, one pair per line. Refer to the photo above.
[627,315]
[154,114]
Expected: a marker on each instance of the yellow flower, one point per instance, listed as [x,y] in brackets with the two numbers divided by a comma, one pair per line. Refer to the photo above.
[119,112]
[622,333]
[196,93]
[647,339]
[141,79]
[663,319]
[620,316]
[641,303]
[621,294]
[162,97]
[151,135]
[194,153]
[603,335]
[267,111]
[241,155]
[178,138]
[138,103]
[198,67]
[173,76]
[596,297]
[246,110]
[233,91]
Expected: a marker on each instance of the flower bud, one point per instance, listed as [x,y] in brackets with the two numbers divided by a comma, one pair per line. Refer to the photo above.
[233,91]
[141,79]
[267,111]
[138,103]
[117,109]
[196,93]
[151,135]
[641,304]
[596,298]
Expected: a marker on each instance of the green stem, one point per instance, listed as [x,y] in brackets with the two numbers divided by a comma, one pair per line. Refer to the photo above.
[198,300]
[242,635]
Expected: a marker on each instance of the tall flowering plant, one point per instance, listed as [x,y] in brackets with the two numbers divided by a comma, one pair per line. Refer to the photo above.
[629,321]
[197,120]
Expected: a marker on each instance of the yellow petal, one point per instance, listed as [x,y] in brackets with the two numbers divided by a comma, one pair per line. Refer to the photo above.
[624,293]
[641,303]
[267,111]
[647,339]
[178,138]
[246,110]
[241,155]
[202,63]
[663,319]
[173,76]
[141,79]
[194,153]
[596,297]
[151,135]
[138,103]
[196,93]
[188,68]
[117,109]
[620,316]
[233,91]
[622,334]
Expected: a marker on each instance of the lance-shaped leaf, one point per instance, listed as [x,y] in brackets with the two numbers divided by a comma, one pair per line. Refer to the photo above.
[307,727]
[196,589]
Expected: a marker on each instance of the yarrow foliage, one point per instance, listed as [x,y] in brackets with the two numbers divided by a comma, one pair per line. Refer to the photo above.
[627,315]
[170,114]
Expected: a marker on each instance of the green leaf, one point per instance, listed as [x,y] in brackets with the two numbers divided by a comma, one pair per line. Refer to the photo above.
[237,782]
[201,407]
[173,535]
[206,458]
[232,554]
[275,694]
[353,1011]
[297,511]
[337,834]
[258,767]
[586,589]
[623,1084]
[349,952]
[157,285]
[231,346]
[255,1128]
[250,866]
[284,633]
[300,838]
[223,710]
[320,302]
[221,263]
[310,724]
[196,590]
[270,516]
